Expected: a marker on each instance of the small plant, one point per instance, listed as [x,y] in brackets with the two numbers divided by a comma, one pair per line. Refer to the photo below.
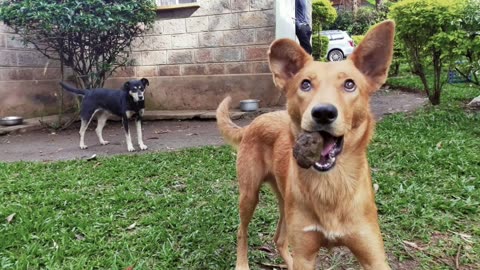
[425,28]
[467,43]
[323,14]
[92,37]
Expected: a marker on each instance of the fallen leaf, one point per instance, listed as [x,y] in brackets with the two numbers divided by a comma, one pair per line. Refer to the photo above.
[266,249]
[376,187]
[93,157]
[129,268]
[10,218]
[132,226]
[180,187]
[80,237]
[192,134]
[274,266]
[55,245]
[465,237]
[97,164]
[439,145]
[162,131]
[413,245]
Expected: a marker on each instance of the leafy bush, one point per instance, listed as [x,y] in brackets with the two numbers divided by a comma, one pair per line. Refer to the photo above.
[359,23]
[399,57]
[320,47]
[466,46]
[357,39]
[92,37]
[323,14]
[425,28]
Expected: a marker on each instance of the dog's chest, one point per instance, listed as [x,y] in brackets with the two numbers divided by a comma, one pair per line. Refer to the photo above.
[131,113]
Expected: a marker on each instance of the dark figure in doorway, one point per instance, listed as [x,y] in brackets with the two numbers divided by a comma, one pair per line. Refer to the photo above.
[302,25]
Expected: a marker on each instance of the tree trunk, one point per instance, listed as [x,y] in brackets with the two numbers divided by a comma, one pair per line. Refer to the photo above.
[437,76]
[435,99]
[355,6]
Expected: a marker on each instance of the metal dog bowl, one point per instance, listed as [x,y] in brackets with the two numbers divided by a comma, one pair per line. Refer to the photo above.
[11,121]
[249,105]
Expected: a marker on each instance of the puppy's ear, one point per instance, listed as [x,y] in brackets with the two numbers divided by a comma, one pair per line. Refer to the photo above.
[126,86]
[145,82]
[374,54]
[286,58]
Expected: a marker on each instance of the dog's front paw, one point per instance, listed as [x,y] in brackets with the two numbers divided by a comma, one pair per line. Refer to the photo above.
[130,148]
[104,142]
[143,147]
[83,146]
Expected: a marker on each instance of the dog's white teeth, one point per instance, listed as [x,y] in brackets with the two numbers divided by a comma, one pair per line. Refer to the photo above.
[331,155]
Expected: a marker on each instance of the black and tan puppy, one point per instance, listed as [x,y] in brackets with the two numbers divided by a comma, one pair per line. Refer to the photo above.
[126,103]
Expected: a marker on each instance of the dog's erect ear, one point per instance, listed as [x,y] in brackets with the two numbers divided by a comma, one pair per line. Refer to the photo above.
[286,58]
[374,54]
[145,82]
[126,86]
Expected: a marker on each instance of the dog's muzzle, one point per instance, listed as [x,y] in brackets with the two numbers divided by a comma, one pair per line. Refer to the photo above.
[324,115]
[332,147]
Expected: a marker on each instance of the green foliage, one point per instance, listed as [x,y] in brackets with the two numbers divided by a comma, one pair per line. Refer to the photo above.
[359,23]
[425,28]
[320,47]
[466,42]
[92,37]
[323,14]
[357,39]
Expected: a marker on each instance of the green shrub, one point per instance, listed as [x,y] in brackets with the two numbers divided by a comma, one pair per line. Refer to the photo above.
[93,37]
[359,23]
[357,39]
[320,46]
[323,13]
[425,28]
[466,41]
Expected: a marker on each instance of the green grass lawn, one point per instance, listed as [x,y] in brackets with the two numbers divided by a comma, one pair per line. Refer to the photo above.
[179,210]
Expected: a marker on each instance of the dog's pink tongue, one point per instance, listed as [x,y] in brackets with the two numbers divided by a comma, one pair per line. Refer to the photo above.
[328,145]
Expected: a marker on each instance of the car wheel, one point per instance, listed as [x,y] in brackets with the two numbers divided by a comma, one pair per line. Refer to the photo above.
[335,55]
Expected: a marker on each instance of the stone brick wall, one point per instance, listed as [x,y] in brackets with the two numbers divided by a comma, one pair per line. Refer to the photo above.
[214,50]
[28,80]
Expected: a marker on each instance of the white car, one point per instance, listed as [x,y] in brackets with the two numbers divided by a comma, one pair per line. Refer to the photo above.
[340,45]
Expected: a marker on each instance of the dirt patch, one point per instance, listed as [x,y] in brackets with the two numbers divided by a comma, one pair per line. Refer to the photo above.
[43,145]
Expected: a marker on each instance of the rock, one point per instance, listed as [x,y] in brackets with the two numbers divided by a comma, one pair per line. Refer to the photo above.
[475,103]
[307,149]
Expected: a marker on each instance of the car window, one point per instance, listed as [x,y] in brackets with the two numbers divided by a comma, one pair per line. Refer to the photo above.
[337,37]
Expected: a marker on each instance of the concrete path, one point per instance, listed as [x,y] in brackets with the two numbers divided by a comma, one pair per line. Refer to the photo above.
[33,144]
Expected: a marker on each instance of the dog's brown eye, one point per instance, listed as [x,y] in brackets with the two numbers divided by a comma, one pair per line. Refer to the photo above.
[306,86]
[349,85]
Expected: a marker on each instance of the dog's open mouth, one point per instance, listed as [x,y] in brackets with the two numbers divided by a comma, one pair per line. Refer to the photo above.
[332,147]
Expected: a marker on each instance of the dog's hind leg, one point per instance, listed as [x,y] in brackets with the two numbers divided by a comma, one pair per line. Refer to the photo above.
[250,173]
[83,128]
[127,134]
[101,121]
[86,117]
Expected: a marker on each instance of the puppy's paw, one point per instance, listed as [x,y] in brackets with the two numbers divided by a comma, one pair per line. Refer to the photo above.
[83,146]
[104,142]
[130,148]
[143,147]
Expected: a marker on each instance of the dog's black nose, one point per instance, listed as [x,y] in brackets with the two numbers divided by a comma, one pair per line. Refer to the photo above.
[324,114]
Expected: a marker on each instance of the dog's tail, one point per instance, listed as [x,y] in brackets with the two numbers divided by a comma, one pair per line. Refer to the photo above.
[67,87]
[230,131]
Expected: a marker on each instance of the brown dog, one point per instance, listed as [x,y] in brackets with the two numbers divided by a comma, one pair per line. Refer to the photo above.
[332,202]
